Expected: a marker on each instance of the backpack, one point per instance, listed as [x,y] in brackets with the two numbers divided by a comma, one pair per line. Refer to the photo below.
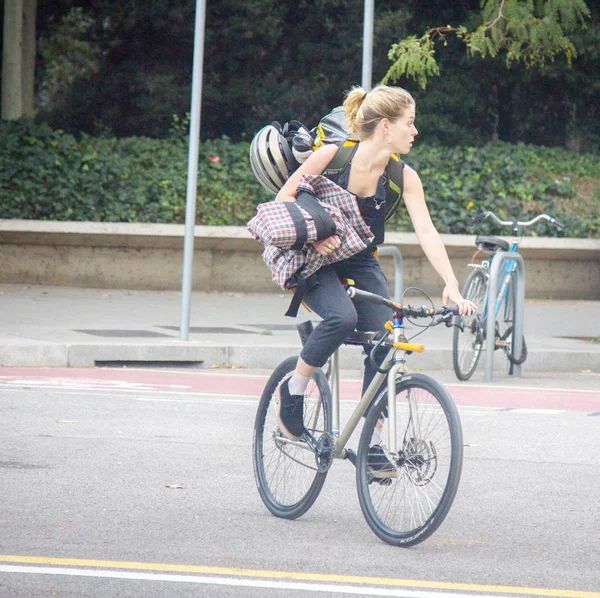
[291,144]
[332,129]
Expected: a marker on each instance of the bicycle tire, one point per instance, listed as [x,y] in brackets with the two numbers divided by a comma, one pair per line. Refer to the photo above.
[286,475]
[428,467]
[510,353]
[469,332]
[512,360]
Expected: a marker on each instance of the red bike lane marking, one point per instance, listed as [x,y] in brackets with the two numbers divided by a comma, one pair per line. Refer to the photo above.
[170,381]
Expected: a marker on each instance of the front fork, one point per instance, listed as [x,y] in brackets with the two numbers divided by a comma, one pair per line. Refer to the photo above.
[399,368]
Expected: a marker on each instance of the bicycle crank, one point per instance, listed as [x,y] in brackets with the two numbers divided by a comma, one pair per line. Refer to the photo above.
[323,451]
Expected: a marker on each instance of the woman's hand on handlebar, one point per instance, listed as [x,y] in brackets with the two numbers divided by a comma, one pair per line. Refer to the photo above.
[451,293]
[327,246]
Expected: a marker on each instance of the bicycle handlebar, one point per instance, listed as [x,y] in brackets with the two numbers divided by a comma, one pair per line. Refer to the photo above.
[413,311]
[481,217]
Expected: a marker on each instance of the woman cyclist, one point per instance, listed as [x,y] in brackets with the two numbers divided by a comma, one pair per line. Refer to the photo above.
[383,122]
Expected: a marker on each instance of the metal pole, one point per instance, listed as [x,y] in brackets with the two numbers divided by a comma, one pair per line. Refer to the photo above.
[12,61]
[398,269]
[517,334]
[192,177]
[367,57]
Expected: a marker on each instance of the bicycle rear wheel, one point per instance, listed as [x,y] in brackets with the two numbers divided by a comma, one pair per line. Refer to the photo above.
[469,331]
[508,336]
[405,497]
[286,474]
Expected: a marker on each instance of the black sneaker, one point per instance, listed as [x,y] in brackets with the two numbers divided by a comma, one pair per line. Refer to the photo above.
[380,466]
[291,412]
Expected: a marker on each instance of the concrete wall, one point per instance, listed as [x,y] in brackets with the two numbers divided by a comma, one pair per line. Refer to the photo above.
[150,256]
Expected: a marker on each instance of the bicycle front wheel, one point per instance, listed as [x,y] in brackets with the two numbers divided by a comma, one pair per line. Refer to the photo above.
[469,331]
[406,496]
[286,473]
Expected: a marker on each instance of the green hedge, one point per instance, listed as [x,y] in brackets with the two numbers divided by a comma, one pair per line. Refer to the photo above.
[514,181]
[50,175]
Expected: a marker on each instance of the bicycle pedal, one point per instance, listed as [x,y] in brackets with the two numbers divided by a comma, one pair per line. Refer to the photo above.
[351,456]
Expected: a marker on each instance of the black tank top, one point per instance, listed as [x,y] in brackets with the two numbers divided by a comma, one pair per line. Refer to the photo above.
[372,208]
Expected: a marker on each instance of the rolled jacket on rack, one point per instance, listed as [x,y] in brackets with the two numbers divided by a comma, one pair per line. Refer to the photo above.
[289,252]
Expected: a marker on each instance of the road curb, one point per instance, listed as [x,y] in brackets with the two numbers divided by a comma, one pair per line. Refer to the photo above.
[210,354]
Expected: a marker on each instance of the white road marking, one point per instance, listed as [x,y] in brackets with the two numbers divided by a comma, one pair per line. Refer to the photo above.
[538,411]
[249,583]
[104,391]
[82,383]
[534,388]
[246,399]
[213,397]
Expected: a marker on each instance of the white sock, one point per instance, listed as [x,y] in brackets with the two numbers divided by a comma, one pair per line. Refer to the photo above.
[376,437]
[298,384]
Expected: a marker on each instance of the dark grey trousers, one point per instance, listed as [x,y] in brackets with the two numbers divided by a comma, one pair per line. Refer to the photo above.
[340,315]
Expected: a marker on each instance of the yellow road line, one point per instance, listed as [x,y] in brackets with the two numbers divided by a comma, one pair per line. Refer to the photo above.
[298,576]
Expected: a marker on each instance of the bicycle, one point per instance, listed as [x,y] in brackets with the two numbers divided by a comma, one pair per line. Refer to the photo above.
[470,331]
[407,470]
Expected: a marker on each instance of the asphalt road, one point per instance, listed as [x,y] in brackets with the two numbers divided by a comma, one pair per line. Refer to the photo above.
[135,485]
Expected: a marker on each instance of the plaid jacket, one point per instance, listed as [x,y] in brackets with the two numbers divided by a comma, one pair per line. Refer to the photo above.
[273,226]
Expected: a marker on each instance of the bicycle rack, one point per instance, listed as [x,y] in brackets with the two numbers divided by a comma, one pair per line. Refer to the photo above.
[499,257]
[398,269]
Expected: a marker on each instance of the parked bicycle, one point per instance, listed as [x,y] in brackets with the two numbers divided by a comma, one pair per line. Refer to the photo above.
[470,331]
[410,453]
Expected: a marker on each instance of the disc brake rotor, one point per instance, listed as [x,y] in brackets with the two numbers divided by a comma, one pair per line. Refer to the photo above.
[420,461]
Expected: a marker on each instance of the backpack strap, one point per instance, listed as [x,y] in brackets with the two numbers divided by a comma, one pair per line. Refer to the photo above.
[342,158]
[395,185]
[394,174]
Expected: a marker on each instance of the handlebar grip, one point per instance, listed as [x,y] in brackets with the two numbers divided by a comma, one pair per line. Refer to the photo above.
[359,295]
[422,311]
[559,223]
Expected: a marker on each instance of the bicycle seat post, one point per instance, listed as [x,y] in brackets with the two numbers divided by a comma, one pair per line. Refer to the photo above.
[335,394]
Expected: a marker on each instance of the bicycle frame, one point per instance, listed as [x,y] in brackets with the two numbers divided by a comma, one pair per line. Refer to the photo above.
[504,275]
[507,270]
[394,363]
[511,265]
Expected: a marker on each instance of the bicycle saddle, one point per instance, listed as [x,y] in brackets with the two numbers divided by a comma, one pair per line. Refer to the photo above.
[491,243]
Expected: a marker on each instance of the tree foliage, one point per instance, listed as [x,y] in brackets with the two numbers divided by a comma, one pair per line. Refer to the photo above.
[529,31]
[124,68]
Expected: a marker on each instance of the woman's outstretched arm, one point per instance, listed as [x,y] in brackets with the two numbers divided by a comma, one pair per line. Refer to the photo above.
[430,240]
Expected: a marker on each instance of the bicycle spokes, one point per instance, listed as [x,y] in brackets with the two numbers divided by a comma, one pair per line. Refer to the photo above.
[288,474]
[416,485]
[469,335]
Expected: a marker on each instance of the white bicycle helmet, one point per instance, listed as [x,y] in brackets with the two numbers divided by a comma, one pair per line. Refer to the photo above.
[271,158]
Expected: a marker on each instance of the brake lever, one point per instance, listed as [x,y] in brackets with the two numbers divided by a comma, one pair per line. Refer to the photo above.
[448,319]
[445,319]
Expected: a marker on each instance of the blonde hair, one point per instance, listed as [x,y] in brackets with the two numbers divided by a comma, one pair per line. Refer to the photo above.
[365,110]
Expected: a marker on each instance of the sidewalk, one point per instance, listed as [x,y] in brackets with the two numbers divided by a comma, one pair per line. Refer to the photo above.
[59,327]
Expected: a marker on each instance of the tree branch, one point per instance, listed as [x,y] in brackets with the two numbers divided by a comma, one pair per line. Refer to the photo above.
[440,32]
[498,17]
